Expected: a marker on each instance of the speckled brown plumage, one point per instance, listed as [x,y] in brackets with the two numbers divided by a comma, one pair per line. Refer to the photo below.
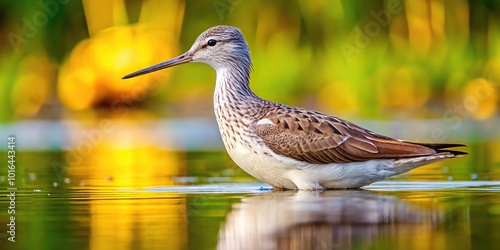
[321,139]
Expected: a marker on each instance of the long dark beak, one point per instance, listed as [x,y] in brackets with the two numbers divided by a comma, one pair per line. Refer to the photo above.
[184,58]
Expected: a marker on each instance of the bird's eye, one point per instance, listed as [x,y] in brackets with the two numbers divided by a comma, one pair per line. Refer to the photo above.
[211,42]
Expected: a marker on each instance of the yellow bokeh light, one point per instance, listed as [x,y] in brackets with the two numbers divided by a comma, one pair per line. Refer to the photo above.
[93,72]
[402,88]
[480,98]
[120,154]
[345,101]
[32,88]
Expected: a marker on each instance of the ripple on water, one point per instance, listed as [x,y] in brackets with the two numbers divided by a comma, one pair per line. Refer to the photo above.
[215,188]
[492,186]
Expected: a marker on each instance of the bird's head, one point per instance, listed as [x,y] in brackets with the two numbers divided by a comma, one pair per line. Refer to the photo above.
[220,47]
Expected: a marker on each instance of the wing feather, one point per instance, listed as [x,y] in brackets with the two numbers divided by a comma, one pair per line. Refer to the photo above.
[317,138]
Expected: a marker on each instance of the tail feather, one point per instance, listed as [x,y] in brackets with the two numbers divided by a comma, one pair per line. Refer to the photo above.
[407,164]
[454,152]
[442,147]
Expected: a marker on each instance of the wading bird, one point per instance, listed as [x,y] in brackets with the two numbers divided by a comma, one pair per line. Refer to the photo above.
[289,147]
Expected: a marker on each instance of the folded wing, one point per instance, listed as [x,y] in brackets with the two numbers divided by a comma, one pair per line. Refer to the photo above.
[320,139]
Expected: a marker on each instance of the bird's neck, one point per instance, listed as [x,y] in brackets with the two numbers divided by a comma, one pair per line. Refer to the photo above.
[235,105]
[233,85]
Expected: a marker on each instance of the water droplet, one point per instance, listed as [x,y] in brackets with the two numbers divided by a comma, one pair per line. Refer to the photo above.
[32,176]
[228,172]
[445,170]
[450,178]
[37,190]
[55,184]
[67,180]
[2,178]
[473,176]
[83,183]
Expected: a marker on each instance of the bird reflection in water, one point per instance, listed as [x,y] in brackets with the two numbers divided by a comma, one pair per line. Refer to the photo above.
[324,220]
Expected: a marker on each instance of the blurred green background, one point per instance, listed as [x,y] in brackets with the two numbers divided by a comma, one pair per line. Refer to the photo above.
[369,59]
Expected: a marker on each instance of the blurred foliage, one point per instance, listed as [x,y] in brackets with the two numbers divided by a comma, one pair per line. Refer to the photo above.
[350,58]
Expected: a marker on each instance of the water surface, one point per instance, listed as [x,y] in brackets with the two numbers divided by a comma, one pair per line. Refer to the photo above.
[149,185]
